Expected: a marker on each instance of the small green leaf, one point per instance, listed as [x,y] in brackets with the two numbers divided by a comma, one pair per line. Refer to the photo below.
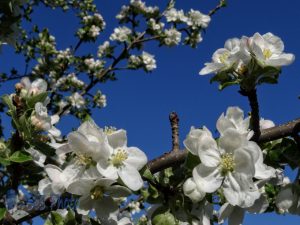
[32,100]
[147,173]
[165,218]
[4,162]
[2,213]
[20,157]
[56,219]
[70,218]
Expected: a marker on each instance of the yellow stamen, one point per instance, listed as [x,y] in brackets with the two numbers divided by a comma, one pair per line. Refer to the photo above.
[227,163]
[119,157]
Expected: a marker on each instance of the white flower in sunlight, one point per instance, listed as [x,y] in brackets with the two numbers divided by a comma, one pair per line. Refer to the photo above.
[229,164]
[174,15]
[102,49]
[37,157]
[36,87]
[265,124]
[223,58]
[42,121]
[193,191]
[134,207]
[118,160]
[94,31]
[120,34]
[172,37]
[148,61]
[267,49]
[234,118]
[98,194]
[59,179]
[77,100]
[88,143]
[196,19]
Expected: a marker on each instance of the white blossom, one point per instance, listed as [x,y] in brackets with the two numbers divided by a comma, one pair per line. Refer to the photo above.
[223,58]
[36,87]
[98,194]
[42,121]
[194,192]
[172,37]
[174,15]
[102,49]
[196,19]
[120,34]
[94,31]
[149,61]
[77,100]
[267,49]
[119,161]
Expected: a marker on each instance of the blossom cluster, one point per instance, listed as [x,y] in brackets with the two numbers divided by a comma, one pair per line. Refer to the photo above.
[103,170]
[260,57]
[232,166]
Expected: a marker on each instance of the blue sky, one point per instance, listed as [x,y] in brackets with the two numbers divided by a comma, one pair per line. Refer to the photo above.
[141,103]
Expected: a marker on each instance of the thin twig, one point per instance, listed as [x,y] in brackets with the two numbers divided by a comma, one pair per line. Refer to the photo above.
[174,120]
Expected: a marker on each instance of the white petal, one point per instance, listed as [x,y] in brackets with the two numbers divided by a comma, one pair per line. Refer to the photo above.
[224,212]
[281,60]
[206,178]
[231,140]
[107,169]
[130,177]
[223,124]
[190,189]
[244,162]
[81,187]
[237,216]
[117,139]
[136,158]
[106,209]
[40,84]
[53,172]
[85,205]
[117,191]
[44,187]
[26,83]
[210,157]
[211,68]
[71,173]
[235,114]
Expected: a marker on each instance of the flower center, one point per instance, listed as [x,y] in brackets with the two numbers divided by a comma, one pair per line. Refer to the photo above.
[223,58]
[84,159]
[109,130]
[267,53]
[97,192]
[119,157]
[227,163]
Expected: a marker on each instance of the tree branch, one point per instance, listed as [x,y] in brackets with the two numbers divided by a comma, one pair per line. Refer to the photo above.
[174,158]
[174,120]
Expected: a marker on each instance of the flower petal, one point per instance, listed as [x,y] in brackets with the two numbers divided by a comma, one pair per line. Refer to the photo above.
[117,139]
[130,177]
[81,187]
[206,178]
[136,158]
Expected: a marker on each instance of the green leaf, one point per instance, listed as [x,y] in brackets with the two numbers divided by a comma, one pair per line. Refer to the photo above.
[70,218]
[32,100]
[147,173]
[165,218]
[227,84]
[20,157]
[2,213]
[56,219]
[48,222]
[8,102]
[4,162]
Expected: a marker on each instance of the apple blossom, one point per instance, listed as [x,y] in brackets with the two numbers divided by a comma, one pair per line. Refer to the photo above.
[223,58]
[118,160]
[77,100]
[98,194]
[121,34]
[59,179]
[36,87]
[267,49]
[42,121]
[196,19]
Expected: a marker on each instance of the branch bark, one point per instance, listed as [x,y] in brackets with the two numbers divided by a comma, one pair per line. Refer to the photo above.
[176,158]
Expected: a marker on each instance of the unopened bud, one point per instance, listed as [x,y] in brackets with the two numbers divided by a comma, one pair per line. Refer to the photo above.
[19,87]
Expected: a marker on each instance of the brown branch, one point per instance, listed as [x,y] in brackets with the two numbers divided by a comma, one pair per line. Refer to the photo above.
[255,118]
[176,158]
[218,7]
[174,120]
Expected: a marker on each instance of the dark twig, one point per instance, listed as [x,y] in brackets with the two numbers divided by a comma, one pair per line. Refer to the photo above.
[255,118]
[217,8]
[174,120]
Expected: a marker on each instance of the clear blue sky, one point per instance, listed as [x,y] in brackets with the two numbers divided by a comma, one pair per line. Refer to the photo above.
[140,103]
